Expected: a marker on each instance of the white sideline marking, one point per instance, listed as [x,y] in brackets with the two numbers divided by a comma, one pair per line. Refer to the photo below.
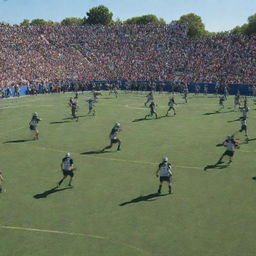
[51,231]
[71,234]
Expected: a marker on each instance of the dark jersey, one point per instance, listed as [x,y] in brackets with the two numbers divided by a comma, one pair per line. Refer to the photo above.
[152,107]
[34,121]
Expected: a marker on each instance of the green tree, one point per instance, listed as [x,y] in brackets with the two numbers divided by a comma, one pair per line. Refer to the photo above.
[99,15]
[251,26]
[236,30]
[72,21]
[25,22]
[195,25]
[38,22]
[145,19]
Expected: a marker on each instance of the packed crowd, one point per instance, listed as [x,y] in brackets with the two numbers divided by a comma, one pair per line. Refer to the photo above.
[61,54]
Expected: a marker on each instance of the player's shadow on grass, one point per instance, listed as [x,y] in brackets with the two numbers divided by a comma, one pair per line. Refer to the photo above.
[71,118]
[217,112]
[235,120]
[60,122]
[149,119]
[246,141]
[96,152]
[17,141]
[216,166]
[50,191]
[147,198]
[140,119]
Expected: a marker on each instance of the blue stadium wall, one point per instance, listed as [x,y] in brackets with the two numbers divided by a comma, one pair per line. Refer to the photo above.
[233,89]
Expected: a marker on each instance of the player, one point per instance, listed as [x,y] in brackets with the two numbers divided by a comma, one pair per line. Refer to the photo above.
[91,107]
[67,167]
[165,171]
[221,102]
[171,104]
[1,182]
[152,107]
[149,97]
[186,94]
[95,95]
[244,127]
[74,109]
[115,91]
[197,89]
[33,125]
[231,145]
[113,136]
[244,113]
[225,94]
[237,101]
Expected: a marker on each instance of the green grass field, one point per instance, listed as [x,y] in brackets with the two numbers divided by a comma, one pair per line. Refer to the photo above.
[112,209]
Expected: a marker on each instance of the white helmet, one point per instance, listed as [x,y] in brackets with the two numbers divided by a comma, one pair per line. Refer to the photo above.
[67,154]
[35,114]
[165,159]
[117,124]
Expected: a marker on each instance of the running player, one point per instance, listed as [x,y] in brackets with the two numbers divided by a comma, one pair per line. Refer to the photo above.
[152,107]
[74,109]
[221,102]
[33,125]
[231,145]
[244,127]
[91,107]
[165,171]
[244,113]
[67,167]
[113,136]
[237,101]
[149,97]
[171,104]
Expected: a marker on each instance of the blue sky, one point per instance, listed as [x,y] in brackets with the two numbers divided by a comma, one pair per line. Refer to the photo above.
[217,15]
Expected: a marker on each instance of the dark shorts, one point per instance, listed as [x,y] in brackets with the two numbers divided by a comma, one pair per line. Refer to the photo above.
[32,128]
[243,128]
[165,178]
[113,141]
[229,153]
[68,173]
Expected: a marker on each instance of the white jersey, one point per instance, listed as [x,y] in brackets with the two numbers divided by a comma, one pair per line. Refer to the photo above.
[67,163]
[165,169]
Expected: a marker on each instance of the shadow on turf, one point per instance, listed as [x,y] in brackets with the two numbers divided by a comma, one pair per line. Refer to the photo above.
[216,166]
[17,141]
[235,120]
[146,119]
[60,122]
[50,191]
[96,152]
[147,198]
[70,118]
[217,112]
